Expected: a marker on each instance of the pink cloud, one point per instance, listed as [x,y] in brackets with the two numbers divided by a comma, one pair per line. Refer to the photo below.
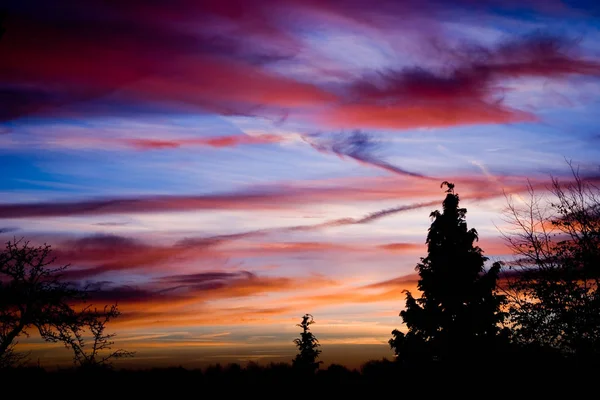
[215,141]
[469,91]
[215,55]
[277,197]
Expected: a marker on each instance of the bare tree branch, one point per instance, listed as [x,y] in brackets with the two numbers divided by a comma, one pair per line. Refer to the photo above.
[553,278]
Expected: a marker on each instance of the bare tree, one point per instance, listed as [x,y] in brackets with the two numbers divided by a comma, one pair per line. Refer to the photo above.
[552,282]
[97,352]
[32,295]
[11,358]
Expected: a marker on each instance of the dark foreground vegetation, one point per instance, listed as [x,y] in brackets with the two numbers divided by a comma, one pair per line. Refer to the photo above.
[514,374]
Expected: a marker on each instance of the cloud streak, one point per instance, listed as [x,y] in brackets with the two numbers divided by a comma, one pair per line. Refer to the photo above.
[358,146]
[215,142]
[100,254]
[166,299]
[273,197]
[186,299]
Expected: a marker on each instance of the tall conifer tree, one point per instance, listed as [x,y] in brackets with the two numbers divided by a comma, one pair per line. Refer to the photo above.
[458,313]
[308,347]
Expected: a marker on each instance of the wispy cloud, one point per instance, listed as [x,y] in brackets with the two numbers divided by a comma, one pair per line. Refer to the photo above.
[99,254]
[467,90]
[144,58]
[216,141]
[189,299]
[358,146]
[272,197]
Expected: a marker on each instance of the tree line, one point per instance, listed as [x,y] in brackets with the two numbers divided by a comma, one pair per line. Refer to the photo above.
[543,303]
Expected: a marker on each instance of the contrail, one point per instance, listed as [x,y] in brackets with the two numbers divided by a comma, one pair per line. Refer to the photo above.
[332,223]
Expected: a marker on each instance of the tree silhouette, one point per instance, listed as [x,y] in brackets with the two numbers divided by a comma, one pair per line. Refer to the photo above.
[93,322]
[2,19]
[308,346]
[33,295]
[553,284]
[458,314]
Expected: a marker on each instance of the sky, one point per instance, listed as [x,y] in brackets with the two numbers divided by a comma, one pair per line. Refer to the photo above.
[219,168]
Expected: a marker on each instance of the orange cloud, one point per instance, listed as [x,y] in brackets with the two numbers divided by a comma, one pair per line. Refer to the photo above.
[191,299]
[386,291]
[303,247]
[492,246]
[403,247]
[402,282]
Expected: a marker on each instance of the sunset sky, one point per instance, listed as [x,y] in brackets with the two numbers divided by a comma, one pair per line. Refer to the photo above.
[221,167]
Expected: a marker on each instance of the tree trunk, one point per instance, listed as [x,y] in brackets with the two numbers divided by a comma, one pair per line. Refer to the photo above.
[9,339]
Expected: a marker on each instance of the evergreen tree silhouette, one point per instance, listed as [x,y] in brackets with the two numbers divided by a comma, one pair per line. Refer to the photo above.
[308,346]
[459,312]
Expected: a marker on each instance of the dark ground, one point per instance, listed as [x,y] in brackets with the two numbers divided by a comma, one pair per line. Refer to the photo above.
[499,378]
